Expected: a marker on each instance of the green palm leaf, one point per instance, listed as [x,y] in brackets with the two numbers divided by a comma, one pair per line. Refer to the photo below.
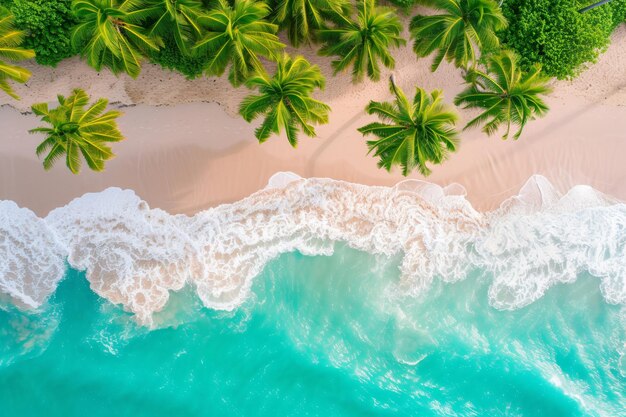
[10,40]
[506,94]
[75,130]
[175,18]
[458,33]
[415,133]
[285,100]
[110,34]
[238,36]
[302,19]
[365,42]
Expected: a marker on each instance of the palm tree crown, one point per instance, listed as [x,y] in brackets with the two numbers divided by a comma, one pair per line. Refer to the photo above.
[285,100]
[415,133]
[176,17]
[238,35]
[76,129]
[506,94]
[110,34]
[303,18]
[10,40]
[364,42]
[464,26]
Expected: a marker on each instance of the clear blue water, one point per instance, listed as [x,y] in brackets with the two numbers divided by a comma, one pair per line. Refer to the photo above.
[321,336]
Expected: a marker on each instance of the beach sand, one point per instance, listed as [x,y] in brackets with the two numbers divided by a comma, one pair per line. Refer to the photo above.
[187,150]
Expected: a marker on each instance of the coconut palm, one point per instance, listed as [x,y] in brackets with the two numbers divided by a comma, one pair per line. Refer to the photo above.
[506,94]
[285,100]
[10,40]
[238,35]
[110,34]
[178,18]
[75,129]
[415,133]
[363,42]
[303,18]
[456,34]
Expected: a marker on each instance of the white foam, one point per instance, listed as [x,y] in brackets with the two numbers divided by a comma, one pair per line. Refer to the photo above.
[135,256]
[32,261]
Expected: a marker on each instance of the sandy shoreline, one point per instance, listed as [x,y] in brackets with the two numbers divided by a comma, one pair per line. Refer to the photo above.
[195,153]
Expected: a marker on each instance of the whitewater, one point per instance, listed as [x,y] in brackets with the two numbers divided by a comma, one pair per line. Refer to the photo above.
[317,297]
[135,256]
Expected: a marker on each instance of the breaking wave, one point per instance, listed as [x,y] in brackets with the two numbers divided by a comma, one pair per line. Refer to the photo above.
[135,256]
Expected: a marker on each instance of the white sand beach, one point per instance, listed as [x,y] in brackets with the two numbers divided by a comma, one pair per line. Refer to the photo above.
[187,150]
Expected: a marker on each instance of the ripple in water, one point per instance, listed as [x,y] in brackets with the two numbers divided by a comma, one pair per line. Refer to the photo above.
[425,307]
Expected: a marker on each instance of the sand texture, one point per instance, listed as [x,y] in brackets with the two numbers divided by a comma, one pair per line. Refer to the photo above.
[187,150]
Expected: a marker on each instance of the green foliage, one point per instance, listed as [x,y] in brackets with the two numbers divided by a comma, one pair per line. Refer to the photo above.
[238,36]
[363,42]
[415,133]
[285,100]
[75,130]
[10,50]
[176,18]
[554,34]
[111,34]
[458,33]
[618,11]
[303,18]
[48,24]
[506,94]
[171,57]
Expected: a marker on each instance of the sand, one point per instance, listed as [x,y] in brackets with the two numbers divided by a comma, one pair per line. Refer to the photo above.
[187,150]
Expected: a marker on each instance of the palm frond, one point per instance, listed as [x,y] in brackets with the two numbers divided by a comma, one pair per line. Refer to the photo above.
[77,128]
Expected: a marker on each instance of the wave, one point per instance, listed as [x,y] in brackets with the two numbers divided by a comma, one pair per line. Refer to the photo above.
[135,256]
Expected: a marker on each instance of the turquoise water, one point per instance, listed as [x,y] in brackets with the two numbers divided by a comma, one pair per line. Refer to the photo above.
[320,336]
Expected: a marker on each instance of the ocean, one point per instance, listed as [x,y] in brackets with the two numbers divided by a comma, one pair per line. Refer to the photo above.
[317,298]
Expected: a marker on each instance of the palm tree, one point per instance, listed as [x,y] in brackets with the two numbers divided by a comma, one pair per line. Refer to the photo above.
[507,94]
[76,129]
[303,18]
[10,39]
[176,17]
[364,42]
[415,134]
[464,27]
[285,100]
[238,35]
[110,34]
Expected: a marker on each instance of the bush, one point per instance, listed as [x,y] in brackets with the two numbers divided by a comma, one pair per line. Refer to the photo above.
[554,34]
[618,8]
[49,25]
[170,57]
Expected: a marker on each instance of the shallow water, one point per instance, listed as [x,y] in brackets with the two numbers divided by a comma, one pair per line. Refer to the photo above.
[317,297]
[319,336]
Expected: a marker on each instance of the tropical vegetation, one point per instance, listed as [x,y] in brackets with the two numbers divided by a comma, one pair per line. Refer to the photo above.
[302,19]
[285,101]
[412,134]
[238,36]
[48,28]
[365,42]
[110,34]
[554,34]
[501,64]
[459,32]
[506,94]
[10,51]
[176,18]
[75,129]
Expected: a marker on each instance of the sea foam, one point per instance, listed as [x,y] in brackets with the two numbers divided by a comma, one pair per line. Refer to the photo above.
[135,256]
